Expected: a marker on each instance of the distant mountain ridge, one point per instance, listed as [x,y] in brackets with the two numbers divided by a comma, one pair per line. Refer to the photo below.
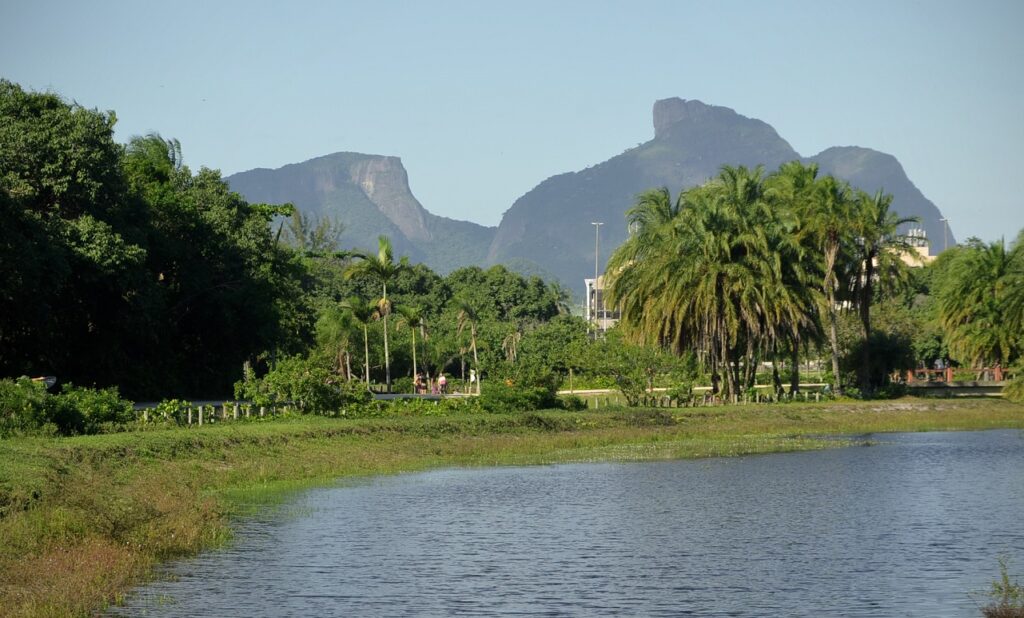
[370,195]
[692,140]
[548,230]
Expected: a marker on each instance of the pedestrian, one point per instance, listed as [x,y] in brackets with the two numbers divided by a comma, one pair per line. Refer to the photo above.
[442,383]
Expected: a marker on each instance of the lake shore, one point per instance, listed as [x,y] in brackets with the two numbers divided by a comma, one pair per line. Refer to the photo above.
[84,519]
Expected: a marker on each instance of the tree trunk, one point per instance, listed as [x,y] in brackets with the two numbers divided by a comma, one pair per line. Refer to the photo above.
[476,363]
[865,321]
[831,254]
[833,338]
[776,380]
[387,357]
[366,354]
[415,372]
[794,372]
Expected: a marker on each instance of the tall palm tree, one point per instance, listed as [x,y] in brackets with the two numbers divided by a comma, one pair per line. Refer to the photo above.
[790,192]
[702,273]
[363,313]
[469,316]
[382,268]
[827,217]
[878,253]
[412,317]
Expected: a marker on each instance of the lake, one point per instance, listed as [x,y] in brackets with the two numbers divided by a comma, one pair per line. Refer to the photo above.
[906,527]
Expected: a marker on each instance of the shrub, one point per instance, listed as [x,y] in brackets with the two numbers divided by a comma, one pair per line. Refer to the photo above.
[173,410]
[1014,390]
[402,385]
[24,407]
[94,410]
[573,403]
[1007,596]
[306,382]
[499,397]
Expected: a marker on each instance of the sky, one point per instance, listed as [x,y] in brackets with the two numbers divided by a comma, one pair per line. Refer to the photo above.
[484,100]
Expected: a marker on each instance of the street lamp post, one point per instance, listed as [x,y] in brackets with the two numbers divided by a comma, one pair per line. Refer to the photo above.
[597,239]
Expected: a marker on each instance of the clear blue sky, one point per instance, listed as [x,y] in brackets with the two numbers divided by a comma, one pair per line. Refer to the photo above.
[482,101]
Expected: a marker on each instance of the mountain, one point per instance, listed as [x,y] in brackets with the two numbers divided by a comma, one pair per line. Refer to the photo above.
[551,225]
[548,230]
[370,195]
[871,171]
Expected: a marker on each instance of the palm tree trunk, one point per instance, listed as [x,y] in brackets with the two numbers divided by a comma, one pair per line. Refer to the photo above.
[776,380]
[476,363]
[833,338]
[387,357]
[415,372]
[794,370]
[831,253]
[366,354]
[865,320]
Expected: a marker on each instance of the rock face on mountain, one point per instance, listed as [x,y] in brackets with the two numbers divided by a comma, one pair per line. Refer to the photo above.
[370,195]
[551,224]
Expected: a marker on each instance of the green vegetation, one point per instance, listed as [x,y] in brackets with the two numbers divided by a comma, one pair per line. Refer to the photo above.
[85,517]
[747,268]
[122,270]
[1006,595]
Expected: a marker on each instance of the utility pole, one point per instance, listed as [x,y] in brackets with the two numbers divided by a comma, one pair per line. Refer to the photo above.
[597,240]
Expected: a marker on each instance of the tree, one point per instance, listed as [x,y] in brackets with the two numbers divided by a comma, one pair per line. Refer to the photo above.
[827,218]
[469,316]
[412,317]
[363,313]
[312,236]
[383,269]
[877,251]
[703,273]
[973,299]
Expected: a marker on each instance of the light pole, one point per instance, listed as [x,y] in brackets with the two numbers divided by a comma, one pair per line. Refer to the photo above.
[945,233]
[597,240]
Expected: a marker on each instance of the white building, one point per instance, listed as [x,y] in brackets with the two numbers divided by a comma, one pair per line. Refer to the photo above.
[596,312]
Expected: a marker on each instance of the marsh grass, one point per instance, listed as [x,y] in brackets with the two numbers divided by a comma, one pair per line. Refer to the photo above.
[85,518]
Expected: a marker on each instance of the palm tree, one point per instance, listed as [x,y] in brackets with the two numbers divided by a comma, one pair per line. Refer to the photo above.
[412,317]
[363,312]
[827,219]
[333,331]
[790,191]
[1013,288]
[384,269]
[878,253]
[972,300]
[702,273]
[469,316]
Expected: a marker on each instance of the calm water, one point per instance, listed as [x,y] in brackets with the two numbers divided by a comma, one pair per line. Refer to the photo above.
[904,528]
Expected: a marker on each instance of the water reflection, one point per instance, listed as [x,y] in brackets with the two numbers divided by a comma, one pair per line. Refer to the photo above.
[904,528]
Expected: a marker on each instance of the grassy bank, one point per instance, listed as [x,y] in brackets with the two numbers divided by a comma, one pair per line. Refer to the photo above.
[84,518]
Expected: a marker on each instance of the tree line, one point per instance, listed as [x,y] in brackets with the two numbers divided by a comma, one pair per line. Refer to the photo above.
[751,267]
[121,266]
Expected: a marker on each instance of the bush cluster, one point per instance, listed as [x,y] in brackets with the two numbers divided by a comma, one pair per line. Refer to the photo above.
[26,408]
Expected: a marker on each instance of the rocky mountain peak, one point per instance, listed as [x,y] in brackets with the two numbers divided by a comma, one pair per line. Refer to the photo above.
[667,112]
[386,183]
